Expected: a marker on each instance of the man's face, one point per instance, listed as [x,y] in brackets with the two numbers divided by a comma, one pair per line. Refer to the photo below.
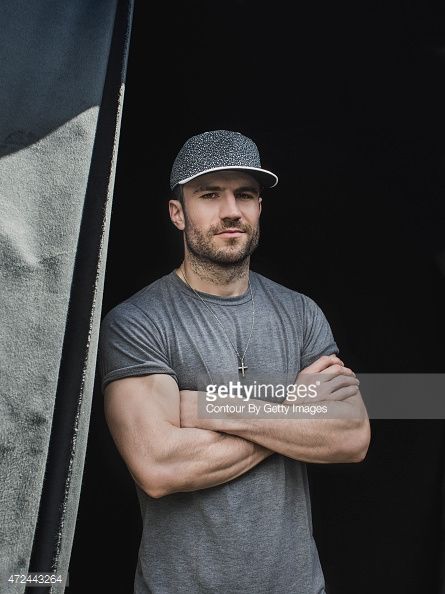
[221,216]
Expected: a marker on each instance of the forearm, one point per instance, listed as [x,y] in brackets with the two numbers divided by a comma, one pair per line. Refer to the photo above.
[343,437]
[195,458]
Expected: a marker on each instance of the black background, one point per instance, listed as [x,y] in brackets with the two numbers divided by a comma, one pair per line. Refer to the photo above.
[346,103]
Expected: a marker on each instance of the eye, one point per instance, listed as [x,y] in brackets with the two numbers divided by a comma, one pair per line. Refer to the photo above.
[209,195]
[246,196]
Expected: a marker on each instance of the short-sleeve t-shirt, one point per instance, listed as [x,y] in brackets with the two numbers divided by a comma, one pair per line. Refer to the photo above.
[253,534]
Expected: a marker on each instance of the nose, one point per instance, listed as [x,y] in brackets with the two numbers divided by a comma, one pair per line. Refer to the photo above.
[229,207]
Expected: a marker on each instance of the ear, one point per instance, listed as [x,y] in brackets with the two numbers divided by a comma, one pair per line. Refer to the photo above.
[260,200]
[176,214]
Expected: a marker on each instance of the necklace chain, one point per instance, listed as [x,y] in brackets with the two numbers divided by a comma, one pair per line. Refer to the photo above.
[240,357]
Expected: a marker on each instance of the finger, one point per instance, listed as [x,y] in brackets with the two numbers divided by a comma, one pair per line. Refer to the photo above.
[342,380]
[343,393]
[337,369]
[322,363]
[329,387]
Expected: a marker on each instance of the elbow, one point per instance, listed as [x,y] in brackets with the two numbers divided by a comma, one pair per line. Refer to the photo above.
[155,492]
[354,443]
[157,484]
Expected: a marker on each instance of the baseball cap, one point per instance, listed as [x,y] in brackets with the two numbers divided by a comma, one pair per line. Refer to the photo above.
[217,150]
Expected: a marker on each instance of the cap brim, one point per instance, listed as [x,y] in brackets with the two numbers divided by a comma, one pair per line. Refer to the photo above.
[266,178]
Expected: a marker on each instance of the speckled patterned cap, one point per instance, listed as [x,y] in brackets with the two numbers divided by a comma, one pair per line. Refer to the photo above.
[217,150]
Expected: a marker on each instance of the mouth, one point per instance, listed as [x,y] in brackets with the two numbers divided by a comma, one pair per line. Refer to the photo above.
[230,233]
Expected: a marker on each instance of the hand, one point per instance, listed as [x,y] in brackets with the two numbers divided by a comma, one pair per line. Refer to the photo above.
[339,382]
[188,409]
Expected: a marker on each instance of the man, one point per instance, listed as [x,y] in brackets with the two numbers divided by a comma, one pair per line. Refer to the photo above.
[225,501]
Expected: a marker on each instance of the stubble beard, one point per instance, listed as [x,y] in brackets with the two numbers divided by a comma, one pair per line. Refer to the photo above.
[222,264]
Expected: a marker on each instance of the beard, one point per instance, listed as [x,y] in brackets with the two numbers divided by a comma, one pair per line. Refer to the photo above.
[235,251]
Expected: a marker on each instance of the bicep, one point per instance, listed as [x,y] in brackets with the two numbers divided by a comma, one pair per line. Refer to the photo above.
[318,339]
[140,413]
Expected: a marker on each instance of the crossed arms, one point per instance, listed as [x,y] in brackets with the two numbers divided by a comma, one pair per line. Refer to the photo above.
[167,449]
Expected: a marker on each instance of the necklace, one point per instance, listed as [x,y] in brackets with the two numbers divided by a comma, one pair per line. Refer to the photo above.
[242,367]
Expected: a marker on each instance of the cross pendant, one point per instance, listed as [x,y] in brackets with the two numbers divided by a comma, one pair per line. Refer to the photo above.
[242,367]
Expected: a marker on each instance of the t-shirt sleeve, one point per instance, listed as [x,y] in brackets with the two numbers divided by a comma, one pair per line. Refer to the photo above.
[318,339]
[130,344]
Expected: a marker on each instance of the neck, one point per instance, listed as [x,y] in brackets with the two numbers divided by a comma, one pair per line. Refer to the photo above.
[215,279]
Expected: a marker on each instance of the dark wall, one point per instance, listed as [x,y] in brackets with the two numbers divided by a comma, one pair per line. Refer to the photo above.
[346,105]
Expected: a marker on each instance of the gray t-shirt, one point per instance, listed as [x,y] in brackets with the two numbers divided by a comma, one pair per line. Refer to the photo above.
[253,534]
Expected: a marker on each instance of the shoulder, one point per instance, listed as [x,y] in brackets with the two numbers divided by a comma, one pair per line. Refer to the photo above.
[278,291]
[152,294]
[140,310]
[143,303]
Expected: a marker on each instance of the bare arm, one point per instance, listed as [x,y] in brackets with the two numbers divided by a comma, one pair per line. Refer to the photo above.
[343,437]
[142,414]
